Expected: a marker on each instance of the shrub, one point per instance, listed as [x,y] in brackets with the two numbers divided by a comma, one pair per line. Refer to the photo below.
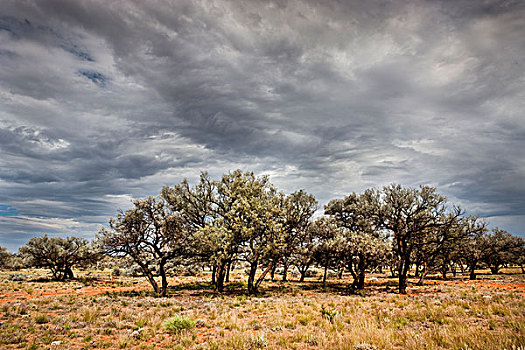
[17,277]
[178,324]
[41,319]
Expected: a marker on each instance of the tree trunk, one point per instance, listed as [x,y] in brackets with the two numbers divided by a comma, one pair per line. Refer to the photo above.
[302,270]
[361,271]
[228,267]
[522,268]
[164,280]
[152,281]
[494,269]
[472,272]
[325,273]
[302,276]
[392,270]
[341,271]
[453,269]
[361,280]
[149,275]
[213,273]
[404,266]
[251,277]
[68,273]
[262,276]
[272,272]
[220,276]
[285,271]
[423,274]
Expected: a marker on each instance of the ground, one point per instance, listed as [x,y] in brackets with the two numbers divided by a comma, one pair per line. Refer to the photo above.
[101,311]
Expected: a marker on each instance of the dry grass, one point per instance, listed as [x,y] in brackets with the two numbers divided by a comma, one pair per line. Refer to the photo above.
[457,314]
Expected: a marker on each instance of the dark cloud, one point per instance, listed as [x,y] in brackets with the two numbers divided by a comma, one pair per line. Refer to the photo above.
[104,102]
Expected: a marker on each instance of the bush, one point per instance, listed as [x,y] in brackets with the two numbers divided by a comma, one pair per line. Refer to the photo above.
[41,319]
[178,324]
[17,277]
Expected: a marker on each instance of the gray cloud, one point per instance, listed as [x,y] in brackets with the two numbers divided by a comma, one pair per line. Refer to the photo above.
[103,102]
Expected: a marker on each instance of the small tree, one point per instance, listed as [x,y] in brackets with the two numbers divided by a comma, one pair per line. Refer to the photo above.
[303,254]
[151,234]
[409,214]
[499,248]
[518,254]
[297,209]
[472,247]
[246,225]
[364,244]
[4,257]
[331,244]
[433,249]
[60,255]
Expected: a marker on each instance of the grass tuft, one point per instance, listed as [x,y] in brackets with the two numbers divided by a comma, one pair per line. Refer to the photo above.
[178,324]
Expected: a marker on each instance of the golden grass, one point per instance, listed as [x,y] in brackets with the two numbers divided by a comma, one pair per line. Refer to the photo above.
[460,314]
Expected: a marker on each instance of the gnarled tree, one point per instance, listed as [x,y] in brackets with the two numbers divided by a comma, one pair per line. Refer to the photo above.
[246,225]
[409,214]
[365,245]
[297,209]
[151,234]
[60,255]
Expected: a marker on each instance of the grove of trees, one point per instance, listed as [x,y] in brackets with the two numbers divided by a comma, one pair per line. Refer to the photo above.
[244,220]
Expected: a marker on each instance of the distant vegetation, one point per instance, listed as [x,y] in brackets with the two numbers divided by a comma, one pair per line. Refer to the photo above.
[243,221]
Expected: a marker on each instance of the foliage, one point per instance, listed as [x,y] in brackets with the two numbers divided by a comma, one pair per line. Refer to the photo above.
[364,245]
[499,249]
[297,211]
[4,257]
[245,225]
[152,233]
[242,220]
[60,255]
[179,324]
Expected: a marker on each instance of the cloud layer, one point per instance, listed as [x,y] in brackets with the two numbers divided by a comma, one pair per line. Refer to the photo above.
[101,102]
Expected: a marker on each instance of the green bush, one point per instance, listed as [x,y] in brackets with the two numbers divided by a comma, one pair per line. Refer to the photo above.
[41,319]
[178,324]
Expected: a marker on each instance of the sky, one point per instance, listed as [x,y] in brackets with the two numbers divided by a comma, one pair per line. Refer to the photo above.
[102,102]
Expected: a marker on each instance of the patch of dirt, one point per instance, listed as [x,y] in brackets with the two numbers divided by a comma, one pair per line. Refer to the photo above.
[23,296]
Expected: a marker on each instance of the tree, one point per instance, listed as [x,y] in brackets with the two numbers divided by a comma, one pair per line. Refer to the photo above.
[60,255]
[365,245]
[151,233]
[471,248]
[246,225]
[330,243]
[4,257]
[194,206]
[409,214]
[298,209]
[303,254]
[499,248]
[518,254]
[433,249]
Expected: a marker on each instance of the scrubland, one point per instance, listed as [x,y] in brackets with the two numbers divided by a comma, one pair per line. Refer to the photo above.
[101,311]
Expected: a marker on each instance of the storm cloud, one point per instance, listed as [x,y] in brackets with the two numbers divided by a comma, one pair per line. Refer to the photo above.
[102,102]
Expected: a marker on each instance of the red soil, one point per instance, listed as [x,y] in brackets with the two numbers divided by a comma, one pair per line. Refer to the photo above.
[22,296]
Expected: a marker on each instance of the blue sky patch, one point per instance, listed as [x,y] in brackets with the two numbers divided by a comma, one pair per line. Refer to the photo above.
[7,210]
[96,77]
[78,52]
